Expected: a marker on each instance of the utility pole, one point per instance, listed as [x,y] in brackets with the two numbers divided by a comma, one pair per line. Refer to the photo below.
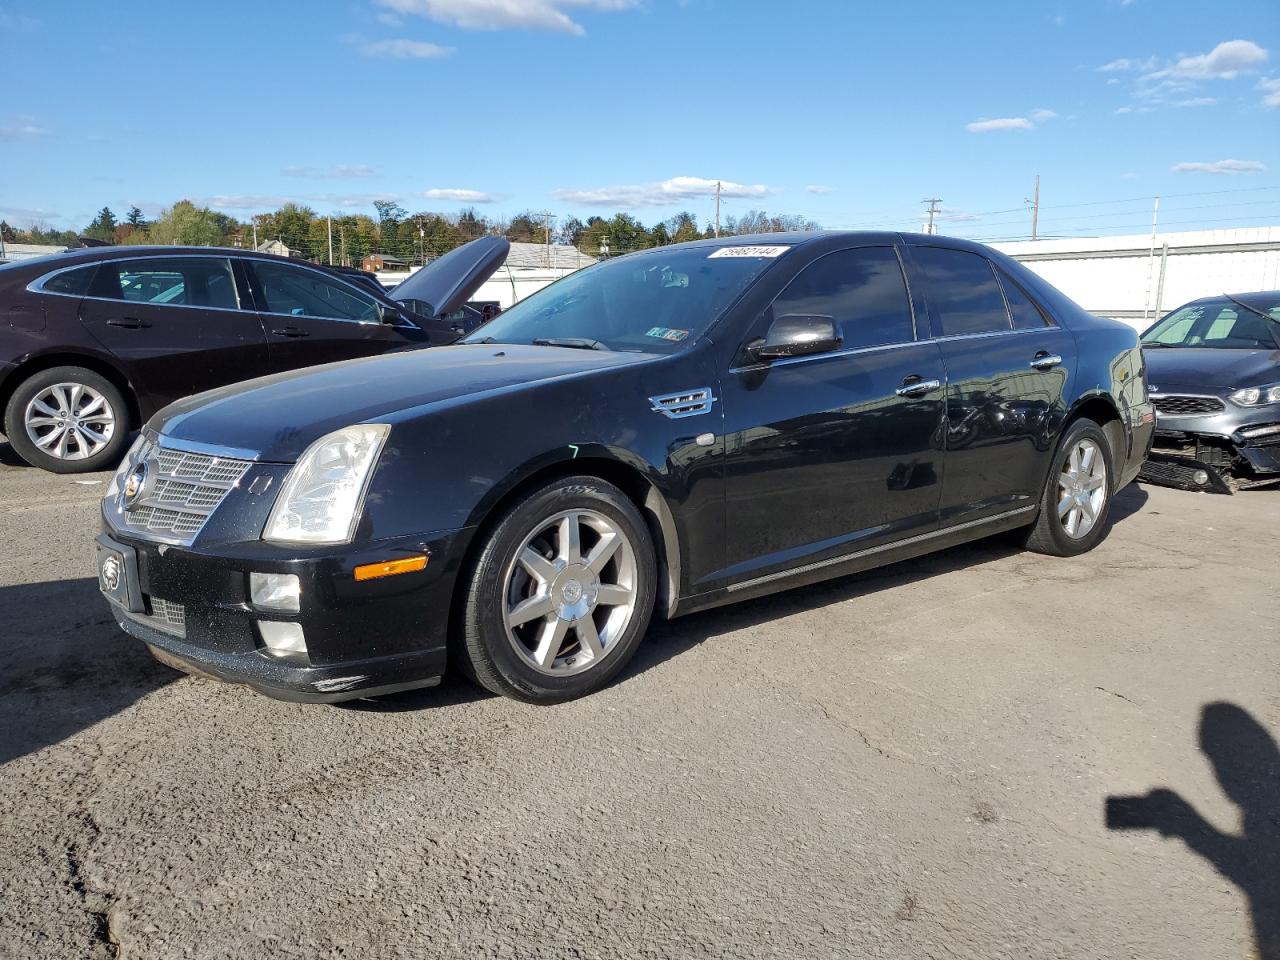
[1151,261]
[1035,210]
[934,209]
[546,226]
[330,219]
[717,208]
[255,233]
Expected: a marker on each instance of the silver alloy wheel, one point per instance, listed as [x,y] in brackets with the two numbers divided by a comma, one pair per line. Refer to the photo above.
[570,592]
[69,421]
[1082,488]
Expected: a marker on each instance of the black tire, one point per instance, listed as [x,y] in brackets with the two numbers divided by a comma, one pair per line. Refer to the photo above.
[489,655]
[1049,534]
[15,428]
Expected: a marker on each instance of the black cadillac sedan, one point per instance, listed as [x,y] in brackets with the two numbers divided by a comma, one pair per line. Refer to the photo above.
[657,434]
[93,342]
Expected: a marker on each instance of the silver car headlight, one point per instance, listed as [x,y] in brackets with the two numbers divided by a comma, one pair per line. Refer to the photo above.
[1257,396]
[321,499]
[130,458]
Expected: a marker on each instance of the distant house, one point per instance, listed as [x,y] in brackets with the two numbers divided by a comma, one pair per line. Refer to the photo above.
[384,261]
[278,248]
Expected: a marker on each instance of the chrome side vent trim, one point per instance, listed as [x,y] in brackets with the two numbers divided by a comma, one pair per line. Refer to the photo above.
[688,403]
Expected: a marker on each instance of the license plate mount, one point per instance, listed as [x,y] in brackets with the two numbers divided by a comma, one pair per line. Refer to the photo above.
[118,575]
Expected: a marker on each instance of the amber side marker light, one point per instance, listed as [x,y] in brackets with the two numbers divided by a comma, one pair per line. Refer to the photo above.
[389,568]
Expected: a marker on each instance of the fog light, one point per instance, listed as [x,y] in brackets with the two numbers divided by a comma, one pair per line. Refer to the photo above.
[275,591]
[1264,431]
[282,639]
[1200,477]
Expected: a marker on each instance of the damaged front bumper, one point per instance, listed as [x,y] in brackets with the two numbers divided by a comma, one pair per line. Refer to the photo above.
[1213,463]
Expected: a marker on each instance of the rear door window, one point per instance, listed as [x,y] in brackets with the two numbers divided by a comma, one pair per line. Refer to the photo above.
[171,281]
[964,294]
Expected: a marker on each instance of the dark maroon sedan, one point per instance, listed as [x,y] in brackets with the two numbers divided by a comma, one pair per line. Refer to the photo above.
[93,342]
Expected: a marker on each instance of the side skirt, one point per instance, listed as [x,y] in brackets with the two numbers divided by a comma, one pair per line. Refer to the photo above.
[868,559]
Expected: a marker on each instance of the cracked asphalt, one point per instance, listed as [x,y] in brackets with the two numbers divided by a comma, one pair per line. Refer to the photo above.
[911,763]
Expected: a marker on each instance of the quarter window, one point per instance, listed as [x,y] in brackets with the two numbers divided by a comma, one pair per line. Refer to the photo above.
[862,290]
[303,293]
[964,295]
[72,282]
[1026,315]
[168,281]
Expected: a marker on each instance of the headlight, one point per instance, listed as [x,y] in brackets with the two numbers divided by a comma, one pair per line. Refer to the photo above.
[320,501]
[1257,396]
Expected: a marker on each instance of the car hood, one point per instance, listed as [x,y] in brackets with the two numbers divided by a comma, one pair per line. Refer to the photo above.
[278,417]
[446,283]
[1209,367]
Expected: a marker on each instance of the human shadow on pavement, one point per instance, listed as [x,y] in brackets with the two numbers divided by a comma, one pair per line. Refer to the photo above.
[1246,761]
[65,664]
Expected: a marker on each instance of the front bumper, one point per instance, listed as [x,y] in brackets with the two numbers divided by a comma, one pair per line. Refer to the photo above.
[363,638]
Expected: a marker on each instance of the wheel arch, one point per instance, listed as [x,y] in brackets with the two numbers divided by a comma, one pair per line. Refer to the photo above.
[47,361]
[1102,410]
[619,468]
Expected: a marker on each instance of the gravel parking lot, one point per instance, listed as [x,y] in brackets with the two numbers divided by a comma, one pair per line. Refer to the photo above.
[910,763]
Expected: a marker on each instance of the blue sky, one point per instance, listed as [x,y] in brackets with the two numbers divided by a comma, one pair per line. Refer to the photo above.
[849,113]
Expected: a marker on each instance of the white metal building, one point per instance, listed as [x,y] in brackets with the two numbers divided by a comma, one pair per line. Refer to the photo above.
[1138,279]
[528,268]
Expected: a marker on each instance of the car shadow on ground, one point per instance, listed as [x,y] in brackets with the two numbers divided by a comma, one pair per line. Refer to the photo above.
[64,664]
[670,638]
[9,457]
[1246,761]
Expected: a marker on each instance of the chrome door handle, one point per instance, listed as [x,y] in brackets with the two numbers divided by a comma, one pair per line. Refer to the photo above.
[918,389]
[1046,361]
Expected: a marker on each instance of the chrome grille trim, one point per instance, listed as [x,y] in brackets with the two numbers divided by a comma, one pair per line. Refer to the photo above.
[180,491]
[687,403]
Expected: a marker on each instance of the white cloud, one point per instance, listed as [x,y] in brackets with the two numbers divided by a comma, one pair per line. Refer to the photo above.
[817,188]
[1271,89]
[342,171]
[350,200]
[1124,65]
[1122,110]
[1040,114]
[666,193]
[388,19]
[1224,167]
[23,128]
[458,194]
[241,201]
[1128,176]
[1002,123]
[1197,102]
[1225,61]
[505,14]
[400,48]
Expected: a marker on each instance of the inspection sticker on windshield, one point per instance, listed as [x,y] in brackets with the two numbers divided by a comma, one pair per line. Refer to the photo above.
[748,252]
[667,333]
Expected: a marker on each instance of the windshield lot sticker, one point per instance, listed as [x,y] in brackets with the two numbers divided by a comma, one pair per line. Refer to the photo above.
[667,333]
[748,252]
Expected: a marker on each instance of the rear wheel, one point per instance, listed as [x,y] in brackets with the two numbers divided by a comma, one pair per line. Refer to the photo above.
[1077,495]
[561,593]
[67,420]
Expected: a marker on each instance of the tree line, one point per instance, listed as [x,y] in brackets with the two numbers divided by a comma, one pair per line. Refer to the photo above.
[393,231]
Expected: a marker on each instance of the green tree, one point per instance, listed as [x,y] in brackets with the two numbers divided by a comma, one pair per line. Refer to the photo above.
[103,226]
[186,224]
[135,219]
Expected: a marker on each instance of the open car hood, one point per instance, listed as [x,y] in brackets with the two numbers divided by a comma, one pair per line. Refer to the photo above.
[446,283]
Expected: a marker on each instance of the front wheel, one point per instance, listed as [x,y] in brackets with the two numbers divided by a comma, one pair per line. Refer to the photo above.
[561,593]
[1077,495]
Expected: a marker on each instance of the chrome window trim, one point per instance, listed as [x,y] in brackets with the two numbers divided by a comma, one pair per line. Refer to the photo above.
[37,285]
[995,333]
[852,351]
[871,551]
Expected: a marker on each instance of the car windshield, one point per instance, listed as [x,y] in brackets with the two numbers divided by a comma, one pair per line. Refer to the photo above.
[1221,323]
[657,301]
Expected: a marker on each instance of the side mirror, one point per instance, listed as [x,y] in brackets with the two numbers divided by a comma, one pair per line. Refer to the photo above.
[797,335]
[389,313]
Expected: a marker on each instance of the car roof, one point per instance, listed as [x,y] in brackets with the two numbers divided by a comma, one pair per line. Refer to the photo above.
[1254,293]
